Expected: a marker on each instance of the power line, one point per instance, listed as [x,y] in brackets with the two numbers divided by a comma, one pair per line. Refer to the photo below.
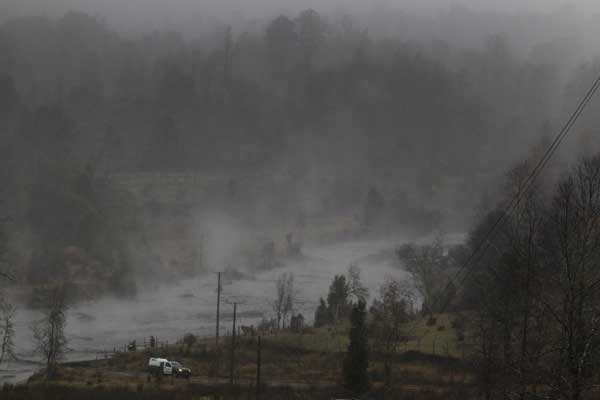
[529,181]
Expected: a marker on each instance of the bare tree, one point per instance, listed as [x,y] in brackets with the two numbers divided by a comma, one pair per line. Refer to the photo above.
[537,305]
[283,304]
[425,264]
[355,286]
[509,323]
[572,296]
[7,310]
[486,342]
[49,331]
[527,324]
[290,298]
[388,313]
[7,331]
[4,274]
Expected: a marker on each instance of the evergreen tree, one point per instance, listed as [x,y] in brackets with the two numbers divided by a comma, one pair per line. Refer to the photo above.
[337,298]
[356,362]
[322,316]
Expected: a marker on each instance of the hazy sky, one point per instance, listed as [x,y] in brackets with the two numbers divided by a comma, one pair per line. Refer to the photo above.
[175,9]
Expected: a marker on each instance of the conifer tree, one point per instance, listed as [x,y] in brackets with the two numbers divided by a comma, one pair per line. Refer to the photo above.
[356,363]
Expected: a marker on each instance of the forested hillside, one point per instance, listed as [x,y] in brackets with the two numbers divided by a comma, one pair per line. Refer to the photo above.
[292,117]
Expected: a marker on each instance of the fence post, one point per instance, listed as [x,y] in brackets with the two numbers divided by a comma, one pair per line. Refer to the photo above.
[258,362]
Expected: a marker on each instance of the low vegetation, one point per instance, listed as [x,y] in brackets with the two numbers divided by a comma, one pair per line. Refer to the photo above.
[293,365]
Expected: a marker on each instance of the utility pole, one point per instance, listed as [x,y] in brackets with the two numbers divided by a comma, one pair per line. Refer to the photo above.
[218,306]
[232,361]
[258,349]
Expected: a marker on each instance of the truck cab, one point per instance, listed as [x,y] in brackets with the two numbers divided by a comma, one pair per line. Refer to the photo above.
[167,368]
[160,366]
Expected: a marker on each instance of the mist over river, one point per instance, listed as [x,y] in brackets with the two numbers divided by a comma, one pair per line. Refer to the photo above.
[169,312]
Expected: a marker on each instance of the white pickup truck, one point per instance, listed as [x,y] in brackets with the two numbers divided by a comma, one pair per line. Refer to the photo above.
[162,366]
[158,366]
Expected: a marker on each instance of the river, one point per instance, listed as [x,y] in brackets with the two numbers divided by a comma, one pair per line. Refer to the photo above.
[169,312]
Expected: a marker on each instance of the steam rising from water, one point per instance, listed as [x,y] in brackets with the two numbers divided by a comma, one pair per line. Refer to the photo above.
[222,238]
[169,312]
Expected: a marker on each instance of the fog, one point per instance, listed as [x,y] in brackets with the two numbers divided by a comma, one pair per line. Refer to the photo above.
[147,145]
[410,17]
[154,10]
[170,311]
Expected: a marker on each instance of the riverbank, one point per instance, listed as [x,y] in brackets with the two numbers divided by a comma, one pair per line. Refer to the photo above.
[302,365]
[169,311]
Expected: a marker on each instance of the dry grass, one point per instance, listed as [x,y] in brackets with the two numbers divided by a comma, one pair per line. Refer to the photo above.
[302,360]
[314,356]
[438,339]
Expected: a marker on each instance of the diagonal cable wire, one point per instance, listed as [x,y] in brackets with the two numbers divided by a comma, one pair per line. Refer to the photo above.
[484,244]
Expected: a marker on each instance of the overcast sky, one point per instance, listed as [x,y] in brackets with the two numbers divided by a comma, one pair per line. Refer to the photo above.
[175,9]
[193,17]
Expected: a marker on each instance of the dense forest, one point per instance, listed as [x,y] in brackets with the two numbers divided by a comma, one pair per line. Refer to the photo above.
[293,117]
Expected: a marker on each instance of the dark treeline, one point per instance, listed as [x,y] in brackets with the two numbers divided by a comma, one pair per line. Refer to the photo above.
[315,100]
[307,89]
[522,298]
[531,298]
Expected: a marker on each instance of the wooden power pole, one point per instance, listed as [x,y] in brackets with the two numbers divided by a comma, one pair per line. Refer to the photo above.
[218,306]
[232,361]
[258,350]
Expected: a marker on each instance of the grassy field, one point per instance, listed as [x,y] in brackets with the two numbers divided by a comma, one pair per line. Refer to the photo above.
[440,338]
[308,363]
